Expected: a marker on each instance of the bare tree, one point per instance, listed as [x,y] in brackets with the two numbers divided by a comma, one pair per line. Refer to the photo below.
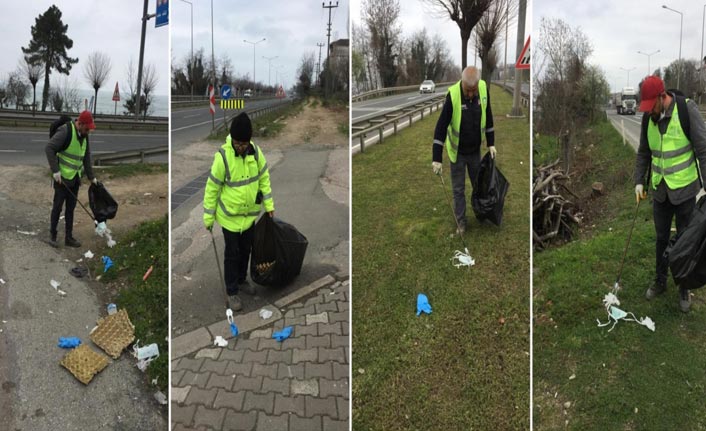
[491,24]
[17,89]
[68,89]
[380,16]
[96,71]
[32,70]
[149,83]
[305,74]
[465,13]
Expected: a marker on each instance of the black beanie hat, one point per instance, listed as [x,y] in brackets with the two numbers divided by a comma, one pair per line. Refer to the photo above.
[241,128]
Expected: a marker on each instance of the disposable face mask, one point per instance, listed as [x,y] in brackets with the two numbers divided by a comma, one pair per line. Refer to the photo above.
[615,314]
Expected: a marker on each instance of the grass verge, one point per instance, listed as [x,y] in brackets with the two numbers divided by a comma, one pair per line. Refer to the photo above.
[266,125]
[630,378]
[145,301]
[465,366]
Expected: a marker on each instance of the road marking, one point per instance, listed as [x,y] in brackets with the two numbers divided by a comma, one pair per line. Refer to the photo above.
[191,116]
[189,127]
[12,151]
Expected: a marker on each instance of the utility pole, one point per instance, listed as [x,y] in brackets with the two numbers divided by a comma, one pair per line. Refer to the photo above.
[516,108]
[145,17]
[328,45]
[269,69]
[318,66]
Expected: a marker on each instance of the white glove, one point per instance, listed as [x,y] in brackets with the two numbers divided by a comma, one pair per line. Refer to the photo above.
[57,177]
[493,151]
[436,167]
[700,193]
[640,192]
[95,181]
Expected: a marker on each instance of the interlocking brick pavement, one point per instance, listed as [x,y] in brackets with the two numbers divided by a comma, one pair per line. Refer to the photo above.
[257,383]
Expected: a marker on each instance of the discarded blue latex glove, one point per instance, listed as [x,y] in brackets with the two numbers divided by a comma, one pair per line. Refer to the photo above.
[107,263]
[283,334]
[423,305]
[233,330]
[69,342]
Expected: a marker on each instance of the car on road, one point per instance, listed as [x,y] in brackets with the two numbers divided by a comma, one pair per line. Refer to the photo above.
[247,94]
[427,86]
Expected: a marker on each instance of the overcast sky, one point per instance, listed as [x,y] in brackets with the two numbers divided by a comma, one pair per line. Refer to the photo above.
[291,29]
[416,15]
[619,29]
[109,26]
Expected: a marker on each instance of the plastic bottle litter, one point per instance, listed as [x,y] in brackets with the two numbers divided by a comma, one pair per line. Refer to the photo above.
[112,308]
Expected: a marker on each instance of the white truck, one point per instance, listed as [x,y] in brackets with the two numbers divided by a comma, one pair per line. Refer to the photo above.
[626,101]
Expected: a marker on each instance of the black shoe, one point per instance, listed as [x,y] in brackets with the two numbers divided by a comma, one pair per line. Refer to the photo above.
[52,241]
[655,290]
[247,287]
[235,303]
[684,300]
[72,242]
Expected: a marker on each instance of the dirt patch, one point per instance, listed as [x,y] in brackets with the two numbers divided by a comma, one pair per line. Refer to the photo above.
[140,198]
[312,124]
[192,161]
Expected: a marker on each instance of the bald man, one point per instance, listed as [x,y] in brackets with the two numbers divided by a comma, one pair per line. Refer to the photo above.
[465,121]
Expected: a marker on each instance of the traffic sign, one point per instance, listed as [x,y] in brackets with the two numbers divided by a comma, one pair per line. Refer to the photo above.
[232,104]
[162,14]
[116,93]
[523,62]
[212,100]
[280,93]
[226,92]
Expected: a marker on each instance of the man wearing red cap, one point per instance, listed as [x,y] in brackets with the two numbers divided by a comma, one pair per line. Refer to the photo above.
[69,155]
[671,152]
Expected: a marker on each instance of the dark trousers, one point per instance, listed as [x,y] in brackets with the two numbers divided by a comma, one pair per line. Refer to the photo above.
[62,195]
[465,163]
[663,213]
[237,257]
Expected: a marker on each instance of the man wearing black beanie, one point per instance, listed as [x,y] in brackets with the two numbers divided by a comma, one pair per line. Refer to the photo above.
[237,188]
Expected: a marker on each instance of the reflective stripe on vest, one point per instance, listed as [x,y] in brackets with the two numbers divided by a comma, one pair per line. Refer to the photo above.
[672,154]
[237,198]
[71,159]
[454,129]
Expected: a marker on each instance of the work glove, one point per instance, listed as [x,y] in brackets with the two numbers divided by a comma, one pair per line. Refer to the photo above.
[57,177]
[271,213]
[640,192]
[436,167]
[95,181]
[492,151]
[423,305]
[701,192]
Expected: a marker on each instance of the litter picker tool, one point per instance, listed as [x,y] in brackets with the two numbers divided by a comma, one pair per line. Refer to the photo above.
[79,202]
[460,258]
[229,311]
[616,286]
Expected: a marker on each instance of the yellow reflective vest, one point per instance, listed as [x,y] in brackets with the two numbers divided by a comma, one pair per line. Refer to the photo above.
[232,188]
[672,154]
[453,131]
[71,159]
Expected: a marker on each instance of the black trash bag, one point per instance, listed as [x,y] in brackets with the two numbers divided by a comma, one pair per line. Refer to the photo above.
[488,197]
[102,203]
[277,253]
[687,251]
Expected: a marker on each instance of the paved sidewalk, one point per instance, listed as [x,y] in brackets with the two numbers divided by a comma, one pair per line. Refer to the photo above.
[257,383]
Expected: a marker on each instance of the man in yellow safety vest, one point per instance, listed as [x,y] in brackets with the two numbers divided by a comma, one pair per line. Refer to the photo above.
[672,152]
[236,189]
[465,121]
[69,156]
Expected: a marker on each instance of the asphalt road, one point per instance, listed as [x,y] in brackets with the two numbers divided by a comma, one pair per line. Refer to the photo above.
[26,146]
[631,124]
[189,125]
[374,107]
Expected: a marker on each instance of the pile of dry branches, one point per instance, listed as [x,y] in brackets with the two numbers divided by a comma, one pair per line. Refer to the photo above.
[553,215]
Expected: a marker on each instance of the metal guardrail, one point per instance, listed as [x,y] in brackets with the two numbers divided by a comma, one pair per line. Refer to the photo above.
[390,91]
[253,114]
[109,122]
[399,119]
[186,101]
[510,88]
[106,159]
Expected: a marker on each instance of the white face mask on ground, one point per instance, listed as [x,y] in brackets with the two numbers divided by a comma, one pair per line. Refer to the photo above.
[610,302]
[462,259]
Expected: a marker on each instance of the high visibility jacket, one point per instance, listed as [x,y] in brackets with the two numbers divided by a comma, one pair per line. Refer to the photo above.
[232,188]
[454,129]
[672,154]
[71,159]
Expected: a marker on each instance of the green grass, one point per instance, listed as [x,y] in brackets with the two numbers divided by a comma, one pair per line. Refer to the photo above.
[458,368]
[145,301]
[130,169]
[630,378]
[343,128]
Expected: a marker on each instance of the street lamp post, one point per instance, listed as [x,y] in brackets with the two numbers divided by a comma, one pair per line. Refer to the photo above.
[681,25]
[628,71]
[650,54]
[269,69]
[253,57]
[701,60]
[191,61]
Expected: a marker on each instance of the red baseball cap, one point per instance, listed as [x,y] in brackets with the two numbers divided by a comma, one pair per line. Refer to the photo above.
[86,118]
[650,90]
